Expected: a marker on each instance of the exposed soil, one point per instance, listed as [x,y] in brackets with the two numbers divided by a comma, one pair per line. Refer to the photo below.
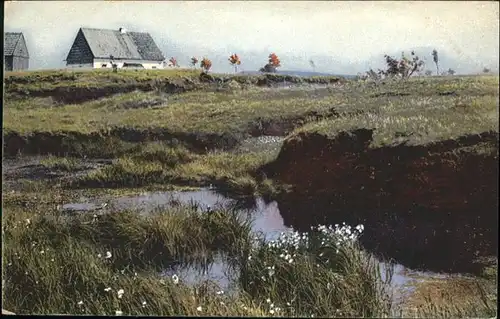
[15,170]
[99,144]
[16,88]
[432,206]
[110,143]
[75,95]
[443,175]
[283,127]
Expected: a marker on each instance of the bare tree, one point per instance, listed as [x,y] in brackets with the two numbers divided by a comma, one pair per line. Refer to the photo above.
[313,65]
[436,60]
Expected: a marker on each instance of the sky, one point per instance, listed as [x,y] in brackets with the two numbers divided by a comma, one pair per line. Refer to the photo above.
[341,37]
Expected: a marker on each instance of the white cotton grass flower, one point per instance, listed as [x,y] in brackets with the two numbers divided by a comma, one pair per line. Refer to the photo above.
[220,292]
[108,255]
[80,302]
[120,293]
[99,255]
[242,305]
[144,303]
[199,309]
[118,312]
[107,289]
[270,270]
[175,279]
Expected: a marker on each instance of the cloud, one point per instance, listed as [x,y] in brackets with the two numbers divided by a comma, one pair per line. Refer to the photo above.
[347,33]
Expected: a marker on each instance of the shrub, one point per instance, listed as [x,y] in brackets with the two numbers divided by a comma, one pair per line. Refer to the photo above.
[403,68]
[173,62]
[194,61]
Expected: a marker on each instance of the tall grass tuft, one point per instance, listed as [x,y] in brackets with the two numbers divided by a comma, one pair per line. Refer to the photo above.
[324,273]
[78,257]
[66,164]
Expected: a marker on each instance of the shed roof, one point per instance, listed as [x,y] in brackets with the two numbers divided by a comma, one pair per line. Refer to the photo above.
[10,42]
[129,45]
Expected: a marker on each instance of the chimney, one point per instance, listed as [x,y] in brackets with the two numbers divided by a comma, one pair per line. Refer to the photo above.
[122,30]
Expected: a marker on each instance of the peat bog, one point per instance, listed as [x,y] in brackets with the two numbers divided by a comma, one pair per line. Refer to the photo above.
[91,158]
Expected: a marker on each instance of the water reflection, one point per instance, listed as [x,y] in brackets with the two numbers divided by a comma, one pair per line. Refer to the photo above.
[418,239]
[267,219]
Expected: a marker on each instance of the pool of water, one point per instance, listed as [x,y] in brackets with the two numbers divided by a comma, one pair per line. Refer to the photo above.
[266,219]
[261,143]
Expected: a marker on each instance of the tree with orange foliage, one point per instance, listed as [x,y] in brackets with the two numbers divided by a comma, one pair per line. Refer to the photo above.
[194,61]
[234,60]
[274,60]
[206,64]
[173,62]
[273,63]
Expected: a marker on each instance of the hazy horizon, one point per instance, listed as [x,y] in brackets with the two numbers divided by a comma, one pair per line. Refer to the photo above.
[340,37]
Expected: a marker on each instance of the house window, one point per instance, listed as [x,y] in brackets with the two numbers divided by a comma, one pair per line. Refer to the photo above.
[104,65]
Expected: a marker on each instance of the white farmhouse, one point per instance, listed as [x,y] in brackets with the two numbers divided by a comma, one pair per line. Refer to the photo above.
[96,48]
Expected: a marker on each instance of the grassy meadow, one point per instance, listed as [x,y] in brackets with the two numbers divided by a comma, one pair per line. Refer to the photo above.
[172,130]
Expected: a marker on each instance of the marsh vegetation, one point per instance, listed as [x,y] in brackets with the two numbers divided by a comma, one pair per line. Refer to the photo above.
[416,158]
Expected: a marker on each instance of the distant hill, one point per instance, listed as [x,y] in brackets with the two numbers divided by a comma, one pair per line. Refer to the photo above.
[302,73]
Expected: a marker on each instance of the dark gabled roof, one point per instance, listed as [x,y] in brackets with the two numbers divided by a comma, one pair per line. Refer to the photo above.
[130,45]
[10,42]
